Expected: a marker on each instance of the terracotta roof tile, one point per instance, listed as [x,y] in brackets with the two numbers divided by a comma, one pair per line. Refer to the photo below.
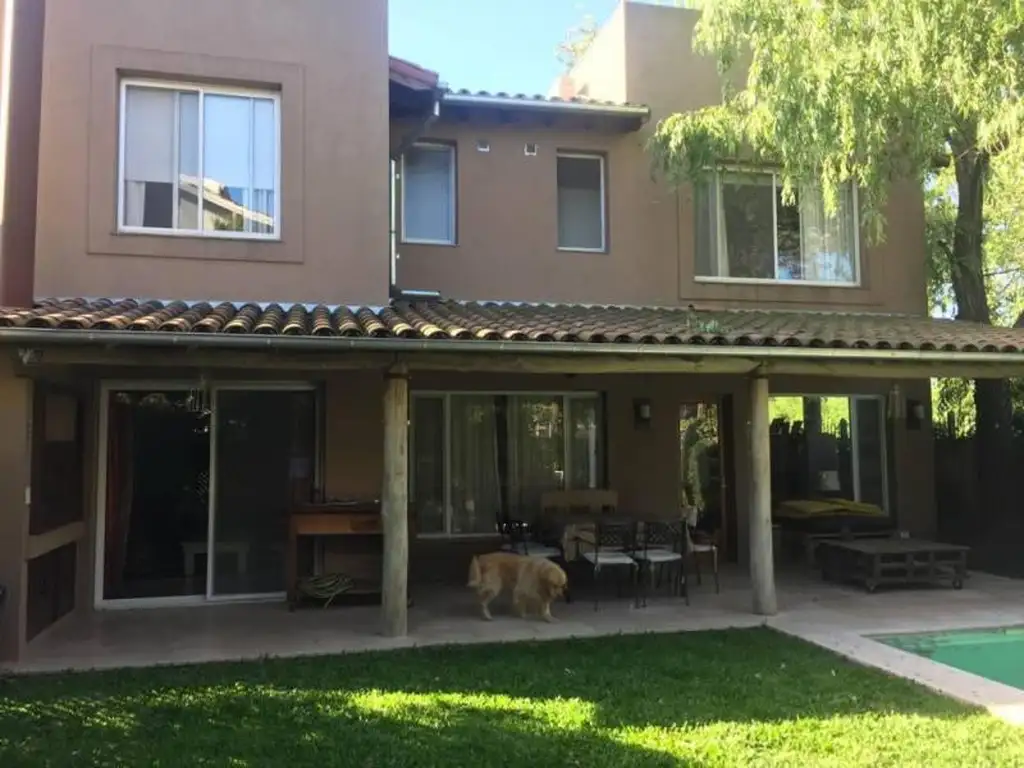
[412,75]
[541,99]
[489,321]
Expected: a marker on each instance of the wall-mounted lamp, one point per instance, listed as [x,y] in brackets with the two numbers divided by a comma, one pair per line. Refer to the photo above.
[915,414]
[641,413]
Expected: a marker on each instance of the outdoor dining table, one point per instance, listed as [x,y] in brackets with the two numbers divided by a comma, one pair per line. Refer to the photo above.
[579,531]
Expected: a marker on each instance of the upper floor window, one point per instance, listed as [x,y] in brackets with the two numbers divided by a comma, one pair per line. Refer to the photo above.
[199,161]
[581,203]
[428,194]
[746,232]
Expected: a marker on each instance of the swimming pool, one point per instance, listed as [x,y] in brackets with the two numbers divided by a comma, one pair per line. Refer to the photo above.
[995,654]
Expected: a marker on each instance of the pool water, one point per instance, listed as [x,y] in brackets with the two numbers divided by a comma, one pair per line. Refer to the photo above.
[995,654]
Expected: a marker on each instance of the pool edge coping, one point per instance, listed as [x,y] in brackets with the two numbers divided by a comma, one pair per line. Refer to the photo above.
[1000,700]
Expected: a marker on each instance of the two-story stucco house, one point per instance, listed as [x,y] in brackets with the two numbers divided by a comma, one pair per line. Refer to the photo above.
[220,308]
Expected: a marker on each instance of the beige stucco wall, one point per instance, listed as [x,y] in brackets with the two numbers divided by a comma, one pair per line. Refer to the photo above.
[507,202]
[329,61]
[601,72]
[507,235]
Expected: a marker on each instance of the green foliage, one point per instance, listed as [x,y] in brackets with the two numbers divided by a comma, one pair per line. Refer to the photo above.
[1002,264]
[698,439]
[861,90]
[872,91]
[953,406]
[1003,255]
[577,42]
[834,411]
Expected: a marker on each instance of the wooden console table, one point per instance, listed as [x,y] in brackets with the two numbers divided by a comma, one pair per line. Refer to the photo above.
[878,562]
[331,519]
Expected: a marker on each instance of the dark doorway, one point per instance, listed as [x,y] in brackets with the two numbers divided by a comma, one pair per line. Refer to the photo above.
[706,468]
[158,458]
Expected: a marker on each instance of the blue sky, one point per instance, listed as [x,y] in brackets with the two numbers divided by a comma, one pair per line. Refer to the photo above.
[491,45]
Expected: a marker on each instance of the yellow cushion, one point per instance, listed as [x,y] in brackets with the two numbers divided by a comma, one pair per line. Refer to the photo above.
[804,508]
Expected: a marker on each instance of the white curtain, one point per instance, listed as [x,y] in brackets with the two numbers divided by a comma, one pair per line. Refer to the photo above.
[584,457]
[536,450]
[428,212]
[580,218]
[148,151]
[134,203]
[475,485]
[828,243]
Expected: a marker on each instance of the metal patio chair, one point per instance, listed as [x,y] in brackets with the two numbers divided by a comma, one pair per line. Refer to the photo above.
[612,547]
[663,550]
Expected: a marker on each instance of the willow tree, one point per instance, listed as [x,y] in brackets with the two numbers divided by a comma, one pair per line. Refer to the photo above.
[868,91]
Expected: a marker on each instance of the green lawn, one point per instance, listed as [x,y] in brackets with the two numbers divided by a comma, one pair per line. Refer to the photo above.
[743,698]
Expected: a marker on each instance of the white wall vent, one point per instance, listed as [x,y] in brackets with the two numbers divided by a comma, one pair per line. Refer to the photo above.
[530,150]
[483,145]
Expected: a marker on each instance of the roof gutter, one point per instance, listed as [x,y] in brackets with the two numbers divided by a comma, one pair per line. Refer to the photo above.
[250,342]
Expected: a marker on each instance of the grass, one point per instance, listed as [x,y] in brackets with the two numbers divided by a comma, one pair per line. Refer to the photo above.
[735,698]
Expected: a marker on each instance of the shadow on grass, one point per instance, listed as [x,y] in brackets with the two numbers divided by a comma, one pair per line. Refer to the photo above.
[555,703]
[257,726]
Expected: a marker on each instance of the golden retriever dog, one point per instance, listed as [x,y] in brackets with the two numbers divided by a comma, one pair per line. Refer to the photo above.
[534,581]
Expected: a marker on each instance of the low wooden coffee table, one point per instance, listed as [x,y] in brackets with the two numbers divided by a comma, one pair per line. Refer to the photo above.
[877,562]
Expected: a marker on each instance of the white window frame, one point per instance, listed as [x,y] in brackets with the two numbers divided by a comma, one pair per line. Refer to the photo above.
[450,150]
[446,397]
[854,439]
[715,181]
[201,91]
[604,198]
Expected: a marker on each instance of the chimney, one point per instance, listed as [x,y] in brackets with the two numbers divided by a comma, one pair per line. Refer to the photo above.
[21,73]
[564,87]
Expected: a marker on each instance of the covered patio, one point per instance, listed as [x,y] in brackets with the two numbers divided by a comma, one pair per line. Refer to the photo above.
[366,366]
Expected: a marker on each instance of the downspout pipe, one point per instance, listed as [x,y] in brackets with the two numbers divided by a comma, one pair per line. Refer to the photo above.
[403,146]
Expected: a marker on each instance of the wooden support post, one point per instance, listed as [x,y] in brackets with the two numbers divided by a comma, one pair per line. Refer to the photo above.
[15,479]
[395,507]
[762,565]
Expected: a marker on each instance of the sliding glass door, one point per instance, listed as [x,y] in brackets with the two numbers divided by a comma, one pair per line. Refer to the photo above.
[197,488]
[478,458]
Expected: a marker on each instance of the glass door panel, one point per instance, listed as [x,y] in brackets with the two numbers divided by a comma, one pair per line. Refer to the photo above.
[265,457]
[155,515]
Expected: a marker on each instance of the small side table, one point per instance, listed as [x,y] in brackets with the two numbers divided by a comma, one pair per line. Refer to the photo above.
[192,549]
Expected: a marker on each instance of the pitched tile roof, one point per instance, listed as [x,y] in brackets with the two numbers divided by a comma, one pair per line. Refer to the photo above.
[526,99]
[411,75]
[491,321]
